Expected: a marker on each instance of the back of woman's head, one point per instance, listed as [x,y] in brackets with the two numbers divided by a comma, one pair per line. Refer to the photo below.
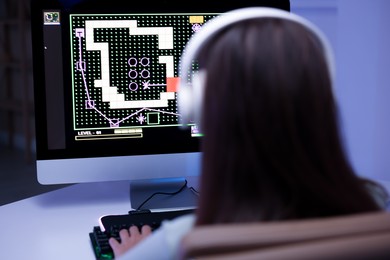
[271,146]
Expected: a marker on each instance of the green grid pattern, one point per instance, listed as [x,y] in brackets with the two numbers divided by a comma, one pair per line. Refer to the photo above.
[122,47]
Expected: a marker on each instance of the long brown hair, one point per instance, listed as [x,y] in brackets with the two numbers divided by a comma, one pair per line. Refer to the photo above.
[271,147]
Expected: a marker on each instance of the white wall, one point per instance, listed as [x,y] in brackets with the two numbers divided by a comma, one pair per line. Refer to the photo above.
[359,31]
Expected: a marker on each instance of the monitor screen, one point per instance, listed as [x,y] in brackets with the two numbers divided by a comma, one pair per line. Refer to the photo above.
[105,85]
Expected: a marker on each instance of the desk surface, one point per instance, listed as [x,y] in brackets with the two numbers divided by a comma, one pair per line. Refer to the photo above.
[55,225]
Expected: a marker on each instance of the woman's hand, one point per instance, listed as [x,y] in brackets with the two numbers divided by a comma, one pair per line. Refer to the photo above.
[129,238]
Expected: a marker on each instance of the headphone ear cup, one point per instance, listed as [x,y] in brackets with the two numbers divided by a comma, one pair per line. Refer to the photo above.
[198,85]
[190,99]
[185,104]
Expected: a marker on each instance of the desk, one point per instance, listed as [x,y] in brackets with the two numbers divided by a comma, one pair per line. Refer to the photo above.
[56,224]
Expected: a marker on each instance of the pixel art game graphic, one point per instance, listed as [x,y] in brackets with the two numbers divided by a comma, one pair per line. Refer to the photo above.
[125,68]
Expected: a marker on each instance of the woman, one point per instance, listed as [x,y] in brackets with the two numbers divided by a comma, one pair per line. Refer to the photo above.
[271,147]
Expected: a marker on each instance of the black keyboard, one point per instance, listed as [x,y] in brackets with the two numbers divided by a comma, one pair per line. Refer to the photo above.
[112,224]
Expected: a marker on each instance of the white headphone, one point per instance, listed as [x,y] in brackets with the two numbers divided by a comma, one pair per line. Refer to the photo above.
[190,95]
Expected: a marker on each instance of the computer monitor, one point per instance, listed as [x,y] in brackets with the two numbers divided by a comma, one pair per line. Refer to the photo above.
[105,88]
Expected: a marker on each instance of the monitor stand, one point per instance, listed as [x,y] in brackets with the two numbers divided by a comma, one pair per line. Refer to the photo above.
[171,193]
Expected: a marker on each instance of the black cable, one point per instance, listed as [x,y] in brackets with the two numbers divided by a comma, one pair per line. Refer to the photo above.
[194,191]
[162,193]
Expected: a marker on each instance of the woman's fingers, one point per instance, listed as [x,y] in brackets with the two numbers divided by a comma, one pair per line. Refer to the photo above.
[129,238]
[146,230]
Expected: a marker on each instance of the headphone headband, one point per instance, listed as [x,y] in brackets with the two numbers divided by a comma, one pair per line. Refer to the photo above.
[186,102]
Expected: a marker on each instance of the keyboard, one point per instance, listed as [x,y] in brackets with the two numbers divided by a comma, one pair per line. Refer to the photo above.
[112,224]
